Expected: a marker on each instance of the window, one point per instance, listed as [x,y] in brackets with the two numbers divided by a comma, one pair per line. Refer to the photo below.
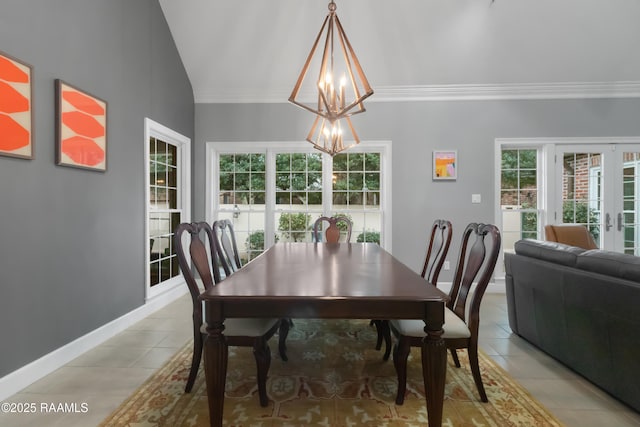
[168,188]
[275,191]
[519,195]
[356,193]
[298,194]
[242,196]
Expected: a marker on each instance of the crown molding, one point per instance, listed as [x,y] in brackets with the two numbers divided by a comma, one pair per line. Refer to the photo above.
[462,92]
[484,92]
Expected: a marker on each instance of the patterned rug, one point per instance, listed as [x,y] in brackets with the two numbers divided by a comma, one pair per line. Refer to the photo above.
[334,377]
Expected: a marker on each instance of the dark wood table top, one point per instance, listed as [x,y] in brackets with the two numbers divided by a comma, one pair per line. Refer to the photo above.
[325,280]
[320,276]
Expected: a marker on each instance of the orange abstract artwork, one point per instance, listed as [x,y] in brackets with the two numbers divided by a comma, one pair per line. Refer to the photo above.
[445,165]
[16,118]
[82,129]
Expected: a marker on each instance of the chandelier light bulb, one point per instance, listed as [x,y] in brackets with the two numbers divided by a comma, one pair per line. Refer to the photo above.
[328,137]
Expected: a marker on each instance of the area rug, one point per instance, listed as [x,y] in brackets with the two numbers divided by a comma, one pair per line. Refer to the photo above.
[334,377]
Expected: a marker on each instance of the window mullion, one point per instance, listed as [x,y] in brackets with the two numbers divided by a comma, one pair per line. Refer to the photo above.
[270,198]
[327,185]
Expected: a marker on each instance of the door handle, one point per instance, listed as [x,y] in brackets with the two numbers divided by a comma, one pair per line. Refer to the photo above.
[607,222]
[619,221]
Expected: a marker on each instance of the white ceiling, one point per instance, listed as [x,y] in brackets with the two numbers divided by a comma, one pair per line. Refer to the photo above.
[253,50]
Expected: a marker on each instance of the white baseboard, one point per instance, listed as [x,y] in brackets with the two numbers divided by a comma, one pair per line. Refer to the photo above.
[28,374]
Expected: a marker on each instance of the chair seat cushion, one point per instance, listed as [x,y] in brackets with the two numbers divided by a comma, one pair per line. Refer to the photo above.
[453,327]
[245,327]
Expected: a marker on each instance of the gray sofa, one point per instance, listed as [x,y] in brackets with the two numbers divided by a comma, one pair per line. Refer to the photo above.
[582,307]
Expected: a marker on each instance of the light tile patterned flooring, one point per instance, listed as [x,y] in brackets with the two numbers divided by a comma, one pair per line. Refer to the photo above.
[106,375]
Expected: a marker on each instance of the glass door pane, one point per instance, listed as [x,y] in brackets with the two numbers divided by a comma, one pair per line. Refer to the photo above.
[628,220]
[582,190]
[600,189]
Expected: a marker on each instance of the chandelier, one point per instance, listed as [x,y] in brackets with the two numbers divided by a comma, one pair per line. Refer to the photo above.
[339,90]
[327,136]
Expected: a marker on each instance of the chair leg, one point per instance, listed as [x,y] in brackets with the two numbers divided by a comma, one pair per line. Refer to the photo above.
[400,355]
[195,359]
[262,354]
[472,351]
[454,356]
[386,334]
[283,332]
[377,324]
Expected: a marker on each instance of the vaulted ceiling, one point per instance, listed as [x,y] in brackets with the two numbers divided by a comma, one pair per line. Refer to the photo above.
[253,50]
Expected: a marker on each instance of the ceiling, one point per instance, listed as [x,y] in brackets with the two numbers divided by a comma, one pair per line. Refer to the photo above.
[253,50]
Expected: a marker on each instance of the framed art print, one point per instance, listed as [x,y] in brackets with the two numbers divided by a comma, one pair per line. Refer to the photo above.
[445,165]
[16,108]
[81,127]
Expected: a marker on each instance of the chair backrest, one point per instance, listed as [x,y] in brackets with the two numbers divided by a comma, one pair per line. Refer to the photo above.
[198,252]
[225,237]
[570,234]
[476,262]
[332,233]
[439,243]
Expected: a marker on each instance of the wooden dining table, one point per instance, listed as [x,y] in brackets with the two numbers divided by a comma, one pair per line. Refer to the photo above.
[325,281]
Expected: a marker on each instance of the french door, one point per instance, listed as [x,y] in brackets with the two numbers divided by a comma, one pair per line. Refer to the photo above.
[598,185]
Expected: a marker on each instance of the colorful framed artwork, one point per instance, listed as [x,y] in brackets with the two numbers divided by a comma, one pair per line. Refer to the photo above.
[81,128]
[16,108]
[445,165]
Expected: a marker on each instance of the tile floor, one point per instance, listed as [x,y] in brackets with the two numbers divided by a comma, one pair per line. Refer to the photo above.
[105,376]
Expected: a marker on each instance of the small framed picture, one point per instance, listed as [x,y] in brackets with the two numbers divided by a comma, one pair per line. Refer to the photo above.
[445,165]
[81,124]
[16,108]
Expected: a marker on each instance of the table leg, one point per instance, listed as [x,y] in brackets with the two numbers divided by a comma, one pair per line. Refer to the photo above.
[434,371]
[215,368]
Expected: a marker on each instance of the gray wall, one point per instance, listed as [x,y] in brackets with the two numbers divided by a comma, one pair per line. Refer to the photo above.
[72,245]
[416,129]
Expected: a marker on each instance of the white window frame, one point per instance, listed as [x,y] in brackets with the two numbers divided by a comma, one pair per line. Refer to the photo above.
[154,129]
[270,149]
[544,175]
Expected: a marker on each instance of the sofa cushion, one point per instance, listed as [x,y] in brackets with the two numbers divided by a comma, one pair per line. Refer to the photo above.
[610,263]
[555,252]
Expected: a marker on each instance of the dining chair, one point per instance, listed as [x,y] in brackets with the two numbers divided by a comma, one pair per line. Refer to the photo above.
[200,250]
[439,242]
[476,262]
[332,232]
[225,236]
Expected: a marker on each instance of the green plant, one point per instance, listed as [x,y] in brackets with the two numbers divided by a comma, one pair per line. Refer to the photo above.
[294,225]
[580,213]
[255,243]
[341,225]
[369,236]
